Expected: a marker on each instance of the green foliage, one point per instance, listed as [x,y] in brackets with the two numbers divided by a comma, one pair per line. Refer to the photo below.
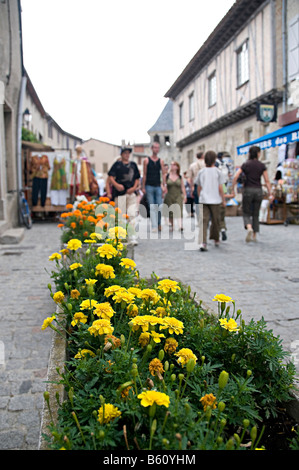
[234,375]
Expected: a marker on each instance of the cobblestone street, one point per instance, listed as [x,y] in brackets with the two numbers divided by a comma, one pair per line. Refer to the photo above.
[262,278]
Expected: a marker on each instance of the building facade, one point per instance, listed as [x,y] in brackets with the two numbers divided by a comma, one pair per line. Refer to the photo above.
[101,155]
[241,64]
[11,88]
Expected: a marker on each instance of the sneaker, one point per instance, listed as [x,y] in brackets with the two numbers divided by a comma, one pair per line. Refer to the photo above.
[217,244]
[154,230]
[203,247]
[249,236]
[223,235]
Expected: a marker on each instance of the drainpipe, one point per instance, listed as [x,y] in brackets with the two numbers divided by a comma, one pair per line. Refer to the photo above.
[19,133]
[284,60]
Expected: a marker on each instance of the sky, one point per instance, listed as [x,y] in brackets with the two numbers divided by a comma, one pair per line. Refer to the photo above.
[101,68]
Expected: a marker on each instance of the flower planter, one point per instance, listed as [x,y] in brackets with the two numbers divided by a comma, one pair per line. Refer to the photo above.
[57,361]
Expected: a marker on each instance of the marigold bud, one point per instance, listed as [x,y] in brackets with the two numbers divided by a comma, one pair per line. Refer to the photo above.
[166,366]
[230,444]
[249,373]
[246,423]
[221,406]
[161,354]
[173,377]
[190,365]
[253,433]
[223,379]
[101,434]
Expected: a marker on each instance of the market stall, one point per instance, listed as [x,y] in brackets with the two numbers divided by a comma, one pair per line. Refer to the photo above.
[285,183]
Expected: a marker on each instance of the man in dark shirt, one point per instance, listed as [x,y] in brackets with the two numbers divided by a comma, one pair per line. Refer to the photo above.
[124,177]
[152,185]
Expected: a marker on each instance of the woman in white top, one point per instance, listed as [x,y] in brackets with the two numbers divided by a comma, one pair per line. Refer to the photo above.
[210,192]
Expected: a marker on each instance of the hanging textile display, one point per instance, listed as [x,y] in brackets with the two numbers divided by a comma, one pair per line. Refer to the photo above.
[59,185]
[39,169]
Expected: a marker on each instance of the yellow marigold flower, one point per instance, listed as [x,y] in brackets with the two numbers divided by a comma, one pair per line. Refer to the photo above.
[101,327]
[90,282]
[157,336]
[222,298]
[88,304]
[111,290]
[105,270]
[74,244]
[79,317]
[128,263]
[117,232]
[149,397]
[75,294]
[167,285]
[230,325]
[75,266]
[173,325]
[104,310]
[143,322]
[170,345]
[122,295]
[55,256]
[107,251]
[150,295]
[89,241]
[208,400]
[132,310]
[95,236]
[58,297]
[184,355]
[83,353]
[144,339]
[47,322]
[65,251]
[135,290]
[156,367]
[160,312]
[116,343]
[108,413]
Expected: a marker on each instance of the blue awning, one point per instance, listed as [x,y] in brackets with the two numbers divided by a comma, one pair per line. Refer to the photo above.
[285,135]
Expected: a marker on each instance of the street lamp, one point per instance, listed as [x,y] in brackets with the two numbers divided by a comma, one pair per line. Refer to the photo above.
[27,117]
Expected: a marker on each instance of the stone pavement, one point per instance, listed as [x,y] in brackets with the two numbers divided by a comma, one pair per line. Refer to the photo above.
[262,278]
[25,303]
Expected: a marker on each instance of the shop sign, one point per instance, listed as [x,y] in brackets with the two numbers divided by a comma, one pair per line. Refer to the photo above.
[266,112]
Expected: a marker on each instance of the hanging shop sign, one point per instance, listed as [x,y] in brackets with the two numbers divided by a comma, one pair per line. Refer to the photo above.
[266,112]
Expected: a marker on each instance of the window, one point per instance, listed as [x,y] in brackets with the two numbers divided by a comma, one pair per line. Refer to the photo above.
[167,140]
[212,89]
[50,130]
[191,107]
[105,167]
[293,48]
[181,114]
[242,64]
[91,153]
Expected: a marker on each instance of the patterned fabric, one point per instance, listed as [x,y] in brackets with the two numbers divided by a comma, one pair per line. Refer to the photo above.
[40,166]
[59,180]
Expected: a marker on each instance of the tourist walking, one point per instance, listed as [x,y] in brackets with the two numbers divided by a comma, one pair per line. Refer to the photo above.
[175,196]
[124,178]
[209,183]
[194,168]
[153,185]
[252,197]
